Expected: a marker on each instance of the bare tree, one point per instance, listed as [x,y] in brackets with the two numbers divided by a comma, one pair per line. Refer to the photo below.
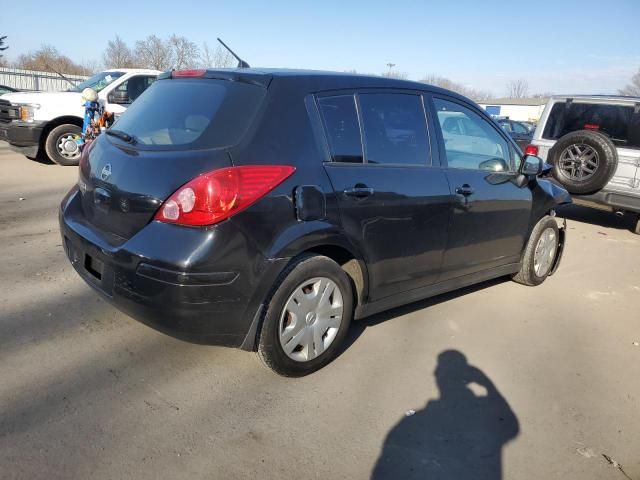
[633,88]
[47,58]
[396,74]
[185,53]
[90,67]
[153,52]
[517,88]
[118,54]
[2,49]
[444,82]
[218,58]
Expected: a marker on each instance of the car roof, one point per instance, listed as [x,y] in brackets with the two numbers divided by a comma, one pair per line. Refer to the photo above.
[129,70]
[319,80]
[599,98]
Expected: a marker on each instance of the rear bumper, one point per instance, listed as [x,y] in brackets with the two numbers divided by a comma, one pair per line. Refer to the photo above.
[610,200]
[212,299]
[23,137]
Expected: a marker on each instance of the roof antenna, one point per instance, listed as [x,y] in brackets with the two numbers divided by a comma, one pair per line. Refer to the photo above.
[241,63]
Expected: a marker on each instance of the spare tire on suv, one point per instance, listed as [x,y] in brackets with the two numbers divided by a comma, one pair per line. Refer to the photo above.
[583,161]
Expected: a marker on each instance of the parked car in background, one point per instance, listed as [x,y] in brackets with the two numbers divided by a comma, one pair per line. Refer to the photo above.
[50,122]
[593,143]
[266,209]
[5,89]
[531,126]
[517,130]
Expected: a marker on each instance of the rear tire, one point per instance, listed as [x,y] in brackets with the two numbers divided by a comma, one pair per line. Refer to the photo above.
[59,145]
[583,161]
[540,253]
[307,317]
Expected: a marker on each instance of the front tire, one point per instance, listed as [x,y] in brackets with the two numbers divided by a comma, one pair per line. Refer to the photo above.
[540,253]
[307,317]
[61,147]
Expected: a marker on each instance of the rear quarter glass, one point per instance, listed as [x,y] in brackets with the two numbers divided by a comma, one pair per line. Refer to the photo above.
[181,114]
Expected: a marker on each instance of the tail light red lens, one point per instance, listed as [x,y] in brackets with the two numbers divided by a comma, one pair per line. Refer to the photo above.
[215,196]
[531,150]
[188,73]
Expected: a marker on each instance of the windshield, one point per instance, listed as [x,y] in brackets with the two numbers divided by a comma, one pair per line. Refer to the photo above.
[98,81]
[195,113]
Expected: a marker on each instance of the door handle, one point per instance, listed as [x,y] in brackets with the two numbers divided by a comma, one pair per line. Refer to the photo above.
[359,192]
[465,190]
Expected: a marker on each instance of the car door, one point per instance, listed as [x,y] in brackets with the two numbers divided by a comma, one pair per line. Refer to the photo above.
[490,213]
[133,87]
[394,200]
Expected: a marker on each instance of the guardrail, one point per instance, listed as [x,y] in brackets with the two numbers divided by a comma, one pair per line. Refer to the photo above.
[33,80]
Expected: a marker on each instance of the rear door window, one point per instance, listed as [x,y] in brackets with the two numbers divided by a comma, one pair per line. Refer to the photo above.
[342,128]
[395,129]
[619,122]
[193,113]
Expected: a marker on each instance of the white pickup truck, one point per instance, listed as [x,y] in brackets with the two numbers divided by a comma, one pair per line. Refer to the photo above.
[48,123]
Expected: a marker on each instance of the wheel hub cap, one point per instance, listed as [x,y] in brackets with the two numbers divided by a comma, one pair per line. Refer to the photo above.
[310,319]
[68,147]
[545,252]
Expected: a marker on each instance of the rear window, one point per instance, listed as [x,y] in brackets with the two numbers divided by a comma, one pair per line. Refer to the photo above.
[343,130]
[619,122]
[181,113]
[395,129]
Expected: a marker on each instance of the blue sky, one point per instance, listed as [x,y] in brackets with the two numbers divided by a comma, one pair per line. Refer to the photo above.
[556,45]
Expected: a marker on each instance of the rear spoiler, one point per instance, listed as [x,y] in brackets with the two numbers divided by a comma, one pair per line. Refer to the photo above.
[240,75]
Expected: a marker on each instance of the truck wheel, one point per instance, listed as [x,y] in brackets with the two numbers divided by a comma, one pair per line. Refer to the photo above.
[61,146]
[583,161]
[307,317]
[540,253]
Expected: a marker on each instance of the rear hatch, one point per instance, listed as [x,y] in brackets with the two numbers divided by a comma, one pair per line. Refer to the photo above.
[176,130]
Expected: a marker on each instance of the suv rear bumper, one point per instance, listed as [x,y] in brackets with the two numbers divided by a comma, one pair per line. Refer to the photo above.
[22,137]
[608,200]
[206,307]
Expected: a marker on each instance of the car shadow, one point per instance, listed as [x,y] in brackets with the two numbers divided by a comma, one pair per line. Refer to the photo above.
[359,326]
[600,218]
[458,436]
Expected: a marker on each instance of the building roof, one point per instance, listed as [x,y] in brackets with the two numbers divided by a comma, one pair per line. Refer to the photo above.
[529,101]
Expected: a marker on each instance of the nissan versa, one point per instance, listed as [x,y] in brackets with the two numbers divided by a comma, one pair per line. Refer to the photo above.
[266,209]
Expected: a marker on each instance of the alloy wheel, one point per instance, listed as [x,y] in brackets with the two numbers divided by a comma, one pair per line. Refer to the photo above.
[578,162]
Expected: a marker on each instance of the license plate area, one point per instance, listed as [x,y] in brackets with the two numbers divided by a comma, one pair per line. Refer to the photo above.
[93,266]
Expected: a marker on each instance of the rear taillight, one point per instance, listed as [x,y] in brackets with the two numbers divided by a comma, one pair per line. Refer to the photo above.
[531,150]
[216,195]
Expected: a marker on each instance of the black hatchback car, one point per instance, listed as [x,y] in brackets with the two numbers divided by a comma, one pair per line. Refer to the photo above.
[266,209]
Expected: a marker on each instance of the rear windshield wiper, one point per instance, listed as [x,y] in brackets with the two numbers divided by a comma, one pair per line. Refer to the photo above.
[121,135]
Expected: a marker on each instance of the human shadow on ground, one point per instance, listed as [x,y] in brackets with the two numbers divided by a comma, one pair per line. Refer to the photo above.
[459,436]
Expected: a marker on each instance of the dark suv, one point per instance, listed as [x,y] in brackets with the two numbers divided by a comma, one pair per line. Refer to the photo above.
[266,209]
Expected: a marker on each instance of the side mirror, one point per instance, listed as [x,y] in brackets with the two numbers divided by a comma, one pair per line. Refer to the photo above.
[494,165]
[532,166]
[118,97]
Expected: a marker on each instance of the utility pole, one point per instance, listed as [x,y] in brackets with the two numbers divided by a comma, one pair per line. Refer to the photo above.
[390,65]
